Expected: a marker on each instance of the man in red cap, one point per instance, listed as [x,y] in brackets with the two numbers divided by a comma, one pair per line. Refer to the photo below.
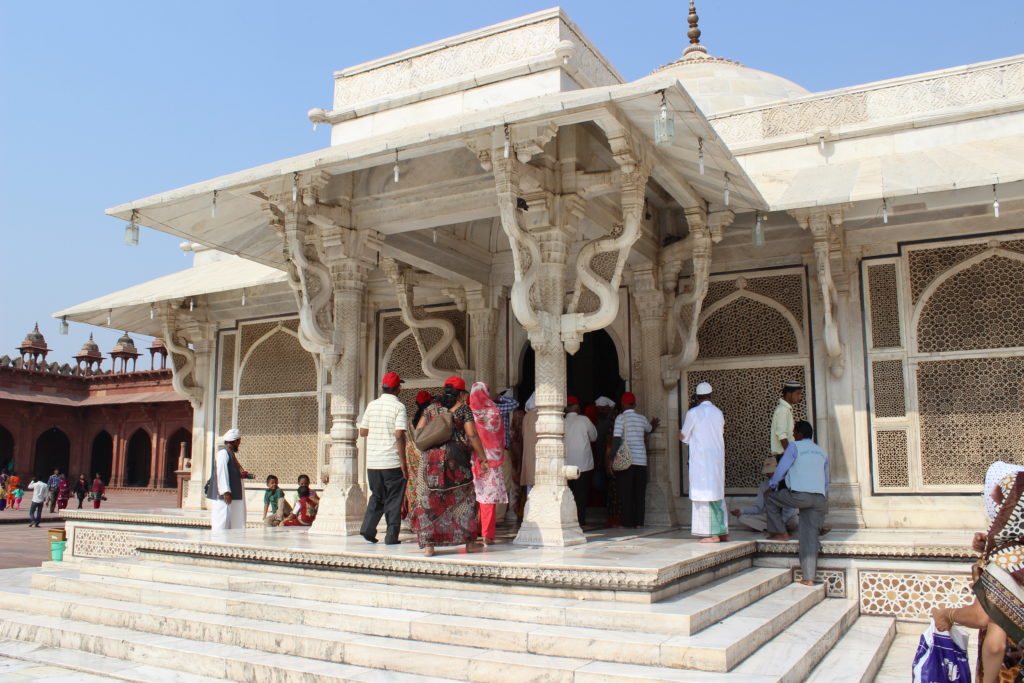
[580,432]
[631,427]
[384,424]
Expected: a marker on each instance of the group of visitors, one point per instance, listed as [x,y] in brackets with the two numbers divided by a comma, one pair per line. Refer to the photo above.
[793,494]
[56,491]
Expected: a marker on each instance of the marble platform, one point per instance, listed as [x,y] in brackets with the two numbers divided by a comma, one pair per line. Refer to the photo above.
[155,590]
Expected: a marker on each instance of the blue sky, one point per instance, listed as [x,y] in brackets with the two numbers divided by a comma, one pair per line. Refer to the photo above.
[105,102]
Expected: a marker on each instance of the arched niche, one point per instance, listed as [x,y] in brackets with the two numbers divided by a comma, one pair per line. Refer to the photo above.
[137,459]
[53,452]
[277,364]
[180,438]
[746,324]
[101,458]
[977,304]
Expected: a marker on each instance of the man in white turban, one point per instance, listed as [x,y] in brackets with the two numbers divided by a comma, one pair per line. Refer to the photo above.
[224,490]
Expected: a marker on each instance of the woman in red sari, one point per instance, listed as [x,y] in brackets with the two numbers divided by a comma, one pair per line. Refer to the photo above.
[98,489]
[63,493]
[445,509]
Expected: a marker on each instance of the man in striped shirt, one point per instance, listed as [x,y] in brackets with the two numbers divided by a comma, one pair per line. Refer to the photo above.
[384,424]
[632,481]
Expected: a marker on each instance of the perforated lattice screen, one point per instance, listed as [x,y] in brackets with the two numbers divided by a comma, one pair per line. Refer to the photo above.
[981,307]
[888,388]
[885,315]
[927,264]
[405,359]
[251,334]
[278,365]
[788,290]
[746,327]
[603,265]
[225,416]
[747,397]
[280,436]
[227,367]
[891,454]
[971,411]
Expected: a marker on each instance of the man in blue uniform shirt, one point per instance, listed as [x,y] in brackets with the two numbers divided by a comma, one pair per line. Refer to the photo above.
[804,467]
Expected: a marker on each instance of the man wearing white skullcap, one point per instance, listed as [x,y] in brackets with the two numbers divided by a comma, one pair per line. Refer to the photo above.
[704,433]
[224,490]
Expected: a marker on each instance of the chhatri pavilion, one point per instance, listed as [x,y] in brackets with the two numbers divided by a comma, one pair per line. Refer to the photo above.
[503,206]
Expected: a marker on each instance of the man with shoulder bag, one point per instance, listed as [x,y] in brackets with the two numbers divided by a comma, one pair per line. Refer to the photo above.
[627,460]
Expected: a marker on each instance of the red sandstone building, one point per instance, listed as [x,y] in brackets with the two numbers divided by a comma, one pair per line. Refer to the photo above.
[127,424]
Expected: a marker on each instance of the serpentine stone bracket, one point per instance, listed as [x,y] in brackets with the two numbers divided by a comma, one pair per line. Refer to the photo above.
[401,278]
[705,229]
[183,378]
[825,224]
[526,248]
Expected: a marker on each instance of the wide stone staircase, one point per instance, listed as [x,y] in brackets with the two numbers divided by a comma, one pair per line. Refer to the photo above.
[173,618]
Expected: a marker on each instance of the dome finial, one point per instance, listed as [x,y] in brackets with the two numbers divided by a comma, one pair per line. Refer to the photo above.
[694,33]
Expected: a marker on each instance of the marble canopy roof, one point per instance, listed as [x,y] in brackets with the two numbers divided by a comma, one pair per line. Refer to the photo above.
[130,308]
[240,226]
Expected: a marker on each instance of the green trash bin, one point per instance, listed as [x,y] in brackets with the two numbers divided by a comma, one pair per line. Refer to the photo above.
[57,550]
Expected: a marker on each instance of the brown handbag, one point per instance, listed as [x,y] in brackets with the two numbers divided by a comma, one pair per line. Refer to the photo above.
[436,432]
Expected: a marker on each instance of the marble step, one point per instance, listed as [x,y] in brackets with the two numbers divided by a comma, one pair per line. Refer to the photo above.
[683,614]
[94,667]
[217,616]
[858,655]
[209,659]
[785,659]
[792,654]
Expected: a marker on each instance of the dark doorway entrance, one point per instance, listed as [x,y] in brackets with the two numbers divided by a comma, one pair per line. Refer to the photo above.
[102,459]
[137,459]
[591,372]
[180,438]
[53,452]
[6,451]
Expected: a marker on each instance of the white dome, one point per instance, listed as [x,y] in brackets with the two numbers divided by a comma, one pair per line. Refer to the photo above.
[719,85]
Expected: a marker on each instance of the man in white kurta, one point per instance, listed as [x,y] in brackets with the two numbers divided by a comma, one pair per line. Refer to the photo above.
[704,433]
[227,494]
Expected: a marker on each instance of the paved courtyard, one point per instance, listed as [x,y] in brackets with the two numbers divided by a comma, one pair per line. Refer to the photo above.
[29,547]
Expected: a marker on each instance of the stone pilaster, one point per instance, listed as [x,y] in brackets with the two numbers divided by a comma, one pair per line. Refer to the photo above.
[343,501]
[650,301]
[482,304]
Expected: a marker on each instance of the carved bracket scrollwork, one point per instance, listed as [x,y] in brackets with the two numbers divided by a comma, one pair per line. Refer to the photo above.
[183,366]
[575,325]
[825,224]
[400,277]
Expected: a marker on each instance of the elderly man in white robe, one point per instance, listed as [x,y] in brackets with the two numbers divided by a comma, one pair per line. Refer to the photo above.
[225,490]
[704,433]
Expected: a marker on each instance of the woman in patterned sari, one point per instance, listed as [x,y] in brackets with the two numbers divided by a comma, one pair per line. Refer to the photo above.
[445,509]
[412,455]
[488,480]
[998,608]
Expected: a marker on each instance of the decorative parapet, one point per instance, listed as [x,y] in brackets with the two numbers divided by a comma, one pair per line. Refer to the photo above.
[531,44]
[820,116]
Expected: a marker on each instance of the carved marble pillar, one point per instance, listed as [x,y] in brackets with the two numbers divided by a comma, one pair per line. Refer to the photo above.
[550,516]
[343,502]
[834,390]
[202,400]
[650,301]
[482,304]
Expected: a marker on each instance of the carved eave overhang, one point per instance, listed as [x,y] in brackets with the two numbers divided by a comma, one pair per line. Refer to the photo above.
[219,286]
[226,213]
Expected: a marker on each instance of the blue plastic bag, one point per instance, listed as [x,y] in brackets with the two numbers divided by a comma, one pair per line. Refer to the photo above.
[942,657]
